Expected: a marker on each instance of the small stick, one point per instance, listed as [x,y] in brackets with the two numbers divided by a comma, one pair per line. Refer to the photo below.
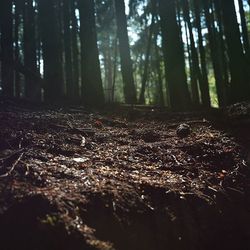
[13,167]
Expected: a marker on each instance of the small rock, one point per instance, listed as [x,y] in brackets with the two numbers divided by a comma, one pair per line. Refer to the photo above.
[183,130]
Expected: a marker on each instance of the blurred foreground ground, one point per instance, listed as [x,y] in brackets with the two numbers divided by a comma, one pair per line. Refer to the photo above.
[75,179]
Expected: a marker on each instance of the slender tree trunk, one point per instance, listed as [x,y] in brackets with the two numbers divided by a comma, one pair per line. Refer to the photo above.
[6,23]
[53,72]
[126,63]
[114,68]
[38,44]
[17,47]
[75,52]
[214,54]
[194,56]
[68,50]
[92,89]
[222,51]
[159,73]
[61,43]
[244,28]
[148,50]
[193,79]
[240,84]
[32,88]
[173,57]
[109,69]
[205,95]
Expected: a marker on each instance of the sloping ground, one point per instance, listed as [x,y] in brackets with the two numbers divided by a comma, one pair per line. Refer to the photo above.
[71,179]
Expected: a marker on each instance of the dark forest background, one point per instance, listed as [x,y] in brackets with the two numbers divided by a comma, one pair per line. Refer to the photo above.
[184,54]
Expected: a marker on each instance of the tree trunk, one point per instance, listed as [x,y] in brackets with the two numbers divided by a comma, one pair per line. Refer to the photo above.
[114,69]
[159,73]
[32,88]
[68,50]
[240,85]
[92,90]
[148,50]
[6,26]
[75,51]
[220,88]
[17,47]
[126,63]
[205,95]
[173,57]
[193,79]
[222,50]
[244,28]
[194,56]
[53,71]
[108,68]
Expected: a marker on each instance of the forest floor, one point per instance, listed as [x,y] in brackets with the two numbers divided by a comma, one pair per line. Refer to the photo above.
[123,179]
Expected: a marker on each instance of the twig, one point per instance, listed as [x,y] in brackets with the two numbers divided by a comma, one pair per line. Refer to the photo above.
[13,167]
[236,190]
[176,161]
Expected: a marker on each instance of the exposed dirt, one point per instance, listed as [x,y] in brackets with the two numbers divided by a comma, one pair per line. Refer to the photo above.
[129,179]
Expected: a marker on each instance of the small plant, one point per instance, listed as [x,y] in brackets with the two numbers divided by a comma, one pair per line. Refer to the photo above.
[49,219]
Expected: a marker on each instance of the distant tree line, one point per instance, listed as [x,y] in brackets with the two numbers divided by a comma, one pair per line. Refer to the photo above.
[183,53]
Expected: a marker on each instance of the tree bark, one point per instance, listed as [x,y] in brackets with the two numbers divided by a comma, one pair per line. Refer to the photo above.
[148,50]
[108,67]
[53,71]
[92,89]
[115,45]
[194,56]
[75,52]
[158,60]
[17,47]
[173,57]
[240,84]
[68,50]
[6,26]
[205,95]
[32,88]
[126,63]
[244,28]
[222,51]
[220,88]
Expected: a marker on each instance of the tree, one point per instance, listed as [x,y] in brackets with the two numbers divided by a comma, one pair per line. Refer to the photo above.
[148,50]
[32,88]
[204,86]
[240,85]
[107,44]
[53,71]
[195,71]
[158,60]
[18,11]
[173,56]
[126,63]
[222,53]
[68,50]
[75,50]
[158,66]
[244,28]
[92,89]
[6,26]
[216,62]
